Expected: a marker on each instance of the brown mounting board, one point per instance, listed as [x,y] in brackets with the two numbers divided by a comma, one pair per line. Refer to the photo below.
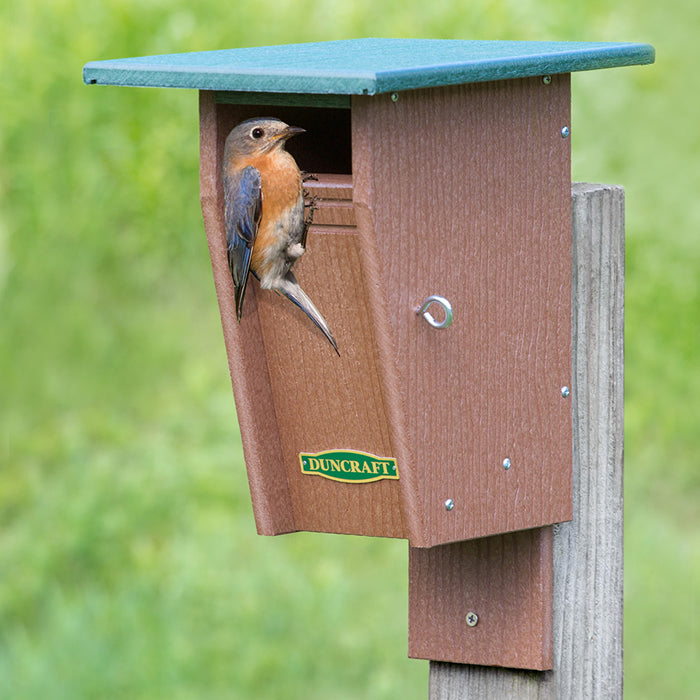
[506,580]
[485,222]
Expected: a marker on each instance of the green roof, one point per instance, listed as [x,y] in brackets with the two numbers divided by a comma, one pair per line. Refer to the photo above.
[363,66]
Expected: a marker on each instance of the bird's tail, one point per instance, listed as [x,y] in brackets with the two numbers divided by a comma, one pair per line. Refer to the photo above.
[290,288]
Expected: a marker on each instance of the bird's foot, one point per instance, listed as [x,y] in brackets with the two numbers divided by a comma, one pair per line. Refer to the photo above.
[311,204]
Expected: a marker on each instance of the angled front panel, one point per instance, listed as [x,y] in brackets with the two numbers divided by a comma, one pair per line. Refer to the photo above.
[329,404]
[313,424]
[464,192]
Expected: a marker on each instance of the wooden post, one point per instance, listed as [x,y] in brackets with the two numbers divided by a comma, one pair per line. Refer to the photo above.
[587,630]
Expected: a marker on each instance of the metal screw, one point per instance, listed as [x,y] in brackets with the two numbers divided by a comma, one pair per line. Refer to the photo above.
[547,79]
[565,132]
[472,618]
[394,96]
[449,504]
[506,463]
[565,392]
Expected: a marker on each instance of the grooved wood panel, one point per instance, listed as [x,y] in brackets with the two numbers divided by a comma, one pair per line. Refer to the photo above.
[588,551]
[323,401]
[465,192]
[505,579]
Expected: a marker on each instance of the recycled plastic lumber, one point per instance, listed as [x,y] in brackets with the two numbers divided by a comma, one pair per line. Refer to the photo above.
[394,386]
[588,552]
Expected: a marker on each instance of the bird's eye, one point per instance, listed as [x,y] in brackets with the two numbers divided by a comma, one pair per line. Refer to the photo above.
[257,133]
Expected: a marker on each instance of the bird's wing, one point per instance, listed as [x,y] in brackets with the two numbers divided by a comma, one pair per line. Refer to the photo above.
[243,197]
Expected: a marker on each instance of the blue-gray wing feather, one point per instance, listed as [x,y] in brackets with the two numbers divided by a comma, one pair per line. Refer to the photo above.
[243,198]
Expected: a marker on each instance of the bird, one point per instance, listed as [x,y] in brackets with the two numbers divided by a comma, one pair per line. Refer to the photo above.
[264,217]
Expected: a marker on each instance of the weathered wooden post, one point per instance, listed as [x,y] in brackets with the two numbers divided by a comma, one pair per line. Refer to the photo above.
[442,180]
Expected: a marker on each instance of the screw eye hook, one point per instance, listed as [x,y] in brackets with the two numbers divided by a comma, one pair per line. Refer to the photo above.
[446,307]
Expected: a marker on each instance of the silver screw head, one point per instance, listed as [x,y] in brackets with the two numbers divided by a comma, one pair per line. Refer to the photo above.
[506,463]
[565,392]
[472,619]
[547,79]
[449,504]
[394,96]
[565,131]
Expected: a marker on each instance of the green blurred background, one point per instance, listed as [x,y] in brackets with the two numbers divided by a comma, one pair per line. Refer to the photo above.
[129,564]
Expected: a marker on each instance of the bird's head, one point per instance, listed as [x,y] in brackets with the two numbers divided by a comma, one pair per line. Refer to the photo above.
[257,136]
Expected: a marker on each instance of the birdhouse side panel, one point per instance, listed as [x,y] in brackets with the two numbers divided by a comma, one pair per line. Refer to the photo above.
[465,193]
[269,490]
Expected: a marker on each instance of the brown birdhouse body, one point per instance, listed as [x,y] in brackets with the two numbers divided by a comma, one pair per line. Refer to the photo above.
[441,176]
[460,191]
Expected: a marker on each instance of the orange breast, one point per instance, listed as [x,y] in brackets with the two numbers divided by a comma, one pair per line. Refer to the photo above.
[281,187]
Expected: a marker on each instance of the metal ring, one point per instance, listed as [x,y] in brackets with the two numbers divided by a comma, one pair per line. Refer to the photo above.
[446,307]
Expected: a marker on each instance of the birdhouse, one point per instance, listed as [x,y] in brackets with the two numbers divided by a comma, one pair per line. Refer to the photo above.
[440,256]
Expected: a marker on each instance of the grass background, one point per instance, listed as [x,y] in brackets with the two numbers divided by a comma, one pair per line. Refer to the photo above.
[129,567]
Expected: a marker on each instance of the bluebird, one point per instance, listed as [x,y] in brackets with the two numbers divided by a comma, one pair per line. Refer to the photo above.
[265,224]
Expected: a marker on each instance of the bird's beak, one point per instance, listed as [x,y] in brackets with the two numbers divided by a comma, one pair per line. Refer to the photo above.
[289,132]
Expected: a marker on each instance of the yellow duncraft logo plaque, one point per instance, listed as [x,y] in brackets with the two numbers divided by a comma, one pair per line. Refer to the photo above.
[350,466]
